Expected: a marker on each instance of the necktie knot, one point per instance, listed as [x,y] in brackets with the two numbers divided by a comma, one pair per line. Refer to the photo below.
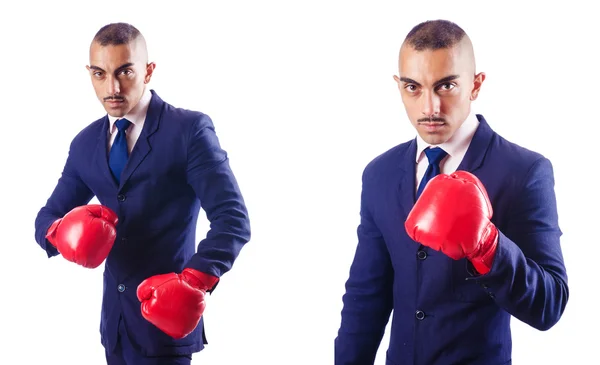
[435,155]
[122,124]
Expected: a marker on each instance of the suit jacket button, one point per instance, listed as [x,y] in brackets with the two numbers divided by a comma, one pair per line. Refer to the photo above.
[121,288]
[420,315]
[421,255]
[121,197]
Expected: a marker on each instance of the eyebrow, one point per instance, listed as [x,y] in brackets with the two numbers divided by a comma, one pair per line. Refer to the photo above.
[440,81]
[129,64]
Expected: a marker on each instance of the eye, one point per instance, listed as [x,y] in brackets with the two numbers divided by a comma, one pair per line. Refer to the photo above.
[125,72]
[446,86]
[97,74]
[411,88]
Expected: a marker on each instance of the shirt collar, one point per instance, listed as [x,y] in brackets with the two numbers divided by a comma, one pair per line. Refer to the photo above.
[457,144]
[137,115]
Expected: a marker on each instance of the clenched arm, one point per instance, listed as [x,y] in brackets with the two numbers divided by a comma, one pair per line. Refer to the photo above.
[213,181]
[528,277]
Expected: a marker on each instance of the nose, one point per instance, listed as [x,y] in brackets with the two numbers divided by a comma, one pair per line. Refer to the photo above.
[430,104]
[113,85]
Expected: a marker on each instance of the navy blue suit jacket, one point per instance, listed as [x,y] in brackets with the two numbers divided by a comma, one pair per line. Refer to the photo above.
[443,313]
[176,167]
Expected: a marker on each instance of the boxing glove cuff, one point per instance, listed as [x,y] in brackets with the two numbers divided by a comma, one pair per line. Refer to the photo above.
[198,279]
[50,233]
[483,258]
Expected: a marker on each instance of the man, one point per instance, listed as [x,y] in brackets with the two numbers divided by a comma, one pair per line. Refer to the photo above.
[152,166]
[458,228]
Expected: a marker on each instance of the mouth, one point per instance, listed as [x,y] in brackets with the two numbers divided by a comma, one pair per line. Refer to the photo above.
[431,126]
[114,102]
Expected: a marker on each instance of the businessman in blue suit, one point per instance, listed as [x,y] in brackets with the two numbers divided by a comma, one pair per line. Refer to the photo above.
[153,166]
[458,227]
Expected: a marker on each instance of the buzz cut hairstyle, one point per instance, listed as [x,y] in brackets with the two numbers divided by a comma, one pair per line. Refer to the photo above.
[434,34]
[115,34]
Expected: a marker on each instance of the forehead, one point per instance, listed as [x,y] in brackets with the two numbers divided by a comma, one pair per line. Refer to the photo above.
[428,66]
[113,56]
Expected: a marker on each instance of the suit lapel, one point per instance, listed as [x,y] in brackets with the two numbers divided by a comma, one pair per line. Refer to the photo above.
[407,188]
[143,147]
[407,181]
[478,147]
[101,157]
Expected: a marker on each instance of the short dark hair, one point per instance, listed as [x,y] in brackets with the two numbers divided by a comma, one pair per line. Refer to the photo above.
[115,34]
[434,34]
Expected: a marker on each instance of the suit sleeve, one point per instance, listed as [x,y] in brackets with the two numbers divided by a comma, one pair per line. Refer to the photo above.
[209,174]
[367,303]
[528,276]
[70,192]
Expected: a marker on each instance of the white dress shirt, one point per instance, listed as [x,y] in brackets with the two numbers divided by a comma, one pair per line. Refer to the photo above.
[136,116]
[456,147]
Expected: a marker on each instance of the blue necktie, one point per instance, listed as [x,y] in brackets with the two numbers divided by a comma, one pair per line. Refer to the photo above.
[119,152]
[435,156]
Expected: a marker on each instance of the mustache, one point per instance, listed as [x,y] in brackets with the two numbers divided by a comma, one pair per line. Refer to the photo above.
[114,98]
[429,120]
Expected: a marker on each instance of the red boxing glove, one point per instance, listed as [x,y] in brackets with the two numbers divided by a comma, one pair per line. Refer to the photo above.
[453,216]
[85,235]
[175,302]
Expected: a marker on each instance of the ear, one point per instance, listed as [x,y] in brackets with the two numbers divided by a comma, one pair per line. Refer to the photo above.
[479,78]
[149,71]
[397,79]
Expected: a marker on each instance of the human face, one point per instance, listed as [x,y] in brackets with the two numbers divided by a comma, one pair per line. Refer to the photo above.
[437,88]
[119,75]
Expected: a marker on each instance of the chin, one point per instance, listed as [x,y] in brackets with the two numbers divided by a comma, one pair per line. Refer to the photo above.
[434,138]
[114,113]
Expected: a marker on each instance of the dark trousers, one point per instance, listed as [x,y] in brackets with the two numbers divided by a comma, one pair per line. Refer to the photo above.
[126,354]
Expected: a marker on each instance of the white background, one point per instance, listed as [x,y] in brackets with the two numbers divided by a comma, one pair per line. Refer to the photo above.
[303,98]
